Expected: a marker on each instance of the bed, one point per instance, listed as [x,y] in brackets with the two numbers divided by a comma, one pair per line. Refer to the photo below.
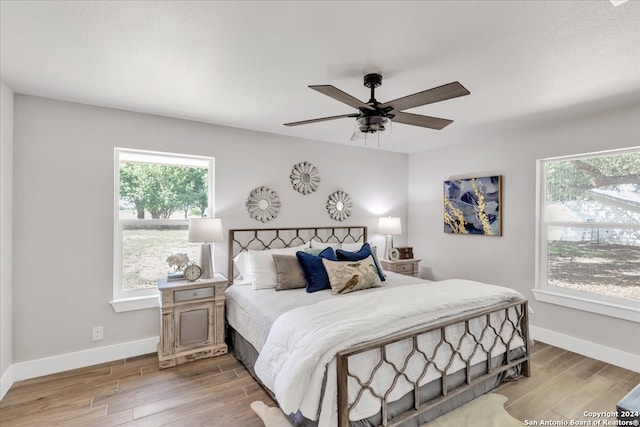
[397,355]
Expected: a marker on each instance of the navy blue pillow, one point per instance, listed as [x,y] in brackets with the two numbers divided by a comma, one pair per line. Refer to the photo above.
[314,272]
[363,253]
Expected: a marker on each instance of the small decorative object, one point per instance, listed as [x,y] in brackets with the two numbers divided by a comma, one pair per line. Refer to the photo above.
[172,277]
[192,272]
[339,205]
[394,254]
[205,231]
[405,252]
[305,178]
[389,226]
[473,206]
[178,261]
[263,204]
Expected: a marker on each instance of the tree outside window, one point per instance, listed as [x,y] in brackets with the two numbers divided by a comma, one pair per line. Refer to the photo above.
[157,193]
[163,191]
[590,225]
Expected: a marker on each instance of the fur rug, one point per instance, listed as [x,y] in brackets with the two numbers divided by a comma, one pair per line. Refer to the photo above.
[485,411]
[271,416]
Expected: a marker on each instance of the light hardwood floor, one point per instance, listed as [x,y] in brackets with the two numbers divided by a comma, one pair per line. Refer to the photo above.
[563,385]
[219,391]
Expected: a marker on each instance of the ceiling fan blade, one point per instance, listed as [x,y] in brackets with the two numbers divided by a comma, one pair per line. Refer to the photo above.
[341,96]
[436,94]
[422,121]
[322,119]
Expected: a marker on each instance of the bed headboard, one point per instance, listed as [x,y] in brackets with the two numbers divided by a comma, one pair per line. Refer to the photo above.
[243,239]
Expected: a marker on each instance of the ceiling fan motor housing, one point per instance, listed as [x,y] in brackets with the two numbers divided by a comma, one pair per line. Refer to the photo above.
[372,80]
[372,121]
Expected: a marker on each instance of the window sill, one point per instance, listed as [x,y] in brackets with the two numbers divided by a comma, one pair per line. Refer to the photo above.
[137,303]
[588,304]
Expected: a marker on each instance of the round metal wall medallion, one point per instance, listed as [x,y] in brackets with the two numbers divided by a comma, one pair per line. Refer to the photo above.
[263,204]
[339,205]
[305,178]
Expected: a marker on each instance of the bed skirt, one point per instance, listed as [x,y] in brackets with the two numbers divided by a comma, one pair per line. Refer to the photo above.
[248,355]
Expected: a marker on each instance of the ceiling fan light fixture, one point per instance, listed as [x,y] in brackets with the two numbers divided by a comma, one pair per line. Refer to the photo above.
[365,127]
[372,124]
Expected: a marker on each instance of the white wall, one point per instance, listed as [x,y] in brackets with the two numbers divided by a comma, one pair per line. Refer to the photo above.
[6,191]
[63,199]
[509,260]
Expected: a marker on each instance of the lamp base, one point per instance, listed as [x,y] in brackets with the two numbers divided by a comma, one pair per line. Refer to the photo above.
[205,261]
[388,244]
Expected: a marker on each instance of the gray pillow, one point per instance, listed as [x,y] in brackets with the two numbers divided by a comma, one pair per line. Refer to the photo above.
[290,274]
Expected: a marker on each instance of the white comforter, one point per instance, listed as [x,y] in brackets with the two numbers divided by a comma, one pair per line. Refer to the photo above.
[303,342]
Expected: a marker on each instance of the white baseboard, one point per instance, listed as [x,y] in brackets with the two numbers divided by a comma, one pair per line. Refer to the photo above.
[6,380]
[595,351]
[79,359]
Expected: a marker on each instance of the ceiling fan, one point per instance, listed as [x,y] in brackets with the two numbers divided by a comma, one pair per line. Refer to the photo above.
[373,116]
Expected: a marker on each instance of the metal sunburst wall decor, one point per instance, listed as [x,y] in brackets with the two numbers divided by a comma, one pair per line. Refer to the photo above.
[339,205]
[263,204]
[305,178]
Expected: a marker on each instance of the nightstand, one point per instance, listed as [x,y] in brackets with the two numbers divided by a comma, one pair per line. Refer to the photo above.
[408,267]
[192,320]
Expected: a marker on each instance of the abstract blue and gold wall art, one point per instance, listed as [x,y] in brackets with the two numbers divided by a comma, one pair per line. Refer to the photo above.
[473,206]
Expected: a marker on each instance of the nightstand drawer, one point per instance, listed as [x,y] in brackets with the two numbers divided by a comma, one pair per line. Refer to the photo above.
[408,267]
[404,268]
[193,294]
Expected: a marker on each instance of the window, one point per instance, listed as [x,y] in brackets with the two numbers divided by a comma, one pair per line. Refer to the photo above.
[588,232]
[155,195]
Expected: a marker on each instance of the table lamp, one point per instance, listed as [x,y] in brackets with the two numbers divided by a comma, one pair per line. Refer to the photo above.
[205,231]
[390,226]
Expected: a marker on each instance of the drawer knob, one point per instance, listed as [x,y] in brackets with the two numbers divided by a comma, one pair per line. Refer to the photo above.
[195,294]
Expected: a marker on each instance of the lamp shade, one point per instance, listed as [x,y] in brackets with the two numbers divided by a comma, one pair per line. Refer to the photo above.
[389,225]
[205,230]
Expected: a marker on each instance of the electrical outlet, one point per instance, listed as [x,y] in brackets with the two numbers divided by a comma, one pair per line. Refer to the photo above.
[97,333]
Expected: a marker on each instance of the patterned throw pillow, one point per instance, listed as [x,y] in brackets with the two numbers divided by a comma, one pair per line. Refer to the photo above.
[350,276]
[363,253]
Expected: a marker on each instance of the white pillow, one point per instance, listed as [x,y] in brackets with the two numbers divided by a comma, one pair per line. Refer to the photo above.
[243,263]
[263,268]
[352,247]
[316,244]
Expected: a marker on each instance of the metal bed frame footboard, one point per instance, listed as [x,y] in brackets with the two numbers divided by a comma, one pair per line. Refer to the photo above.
[515,318]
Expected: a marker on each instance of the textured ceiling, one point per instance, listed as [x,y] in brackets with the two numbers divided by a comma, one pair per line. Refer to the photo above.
[247,64]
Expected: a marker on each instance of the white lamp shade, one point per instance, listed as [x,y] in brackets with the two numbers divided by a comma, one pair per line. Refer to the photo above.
[204,230]
[389,225]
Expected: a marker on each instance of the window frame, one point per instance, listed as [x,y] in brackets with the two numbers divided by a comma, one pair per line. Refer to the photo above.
[127,300]
[587,301]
